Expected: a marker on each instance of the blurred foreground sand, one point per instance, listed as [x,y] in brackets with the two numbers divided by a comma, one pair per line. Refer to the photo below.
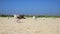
[30,26]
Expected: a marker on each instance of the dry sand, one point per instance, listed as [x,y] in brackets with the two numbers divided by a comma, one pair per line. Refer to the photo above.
[30,26]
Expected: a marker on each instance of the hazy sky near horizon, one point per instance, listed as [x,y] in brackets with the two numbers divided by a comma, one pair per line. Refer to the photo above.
[38,7]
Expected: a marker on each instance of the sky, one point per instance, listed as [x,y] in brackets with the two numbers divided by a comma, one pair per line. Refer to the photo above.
[30,7]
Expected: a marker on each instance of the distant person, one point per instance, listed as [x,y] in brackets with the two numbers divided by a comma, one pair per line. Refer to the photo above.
[34,17]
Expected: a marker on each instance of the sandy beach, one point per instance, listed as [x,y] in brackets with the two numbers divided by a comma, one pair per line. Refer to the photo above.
[30,26]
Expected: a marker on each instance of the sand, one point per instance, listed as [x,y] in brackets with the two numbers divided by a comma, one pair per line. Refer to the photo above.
[30,26]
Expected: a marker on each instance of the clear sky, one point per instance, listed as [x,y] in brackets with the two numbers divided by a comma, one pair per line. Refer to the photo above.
[36,7]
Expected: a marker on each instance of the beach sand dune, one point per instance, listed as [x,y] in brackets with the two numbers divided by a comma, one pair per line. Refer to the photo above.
[30,26]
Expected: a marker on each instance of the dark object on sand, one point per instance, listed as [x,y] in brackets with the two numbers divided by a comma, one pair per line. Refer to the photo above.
[19,18]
